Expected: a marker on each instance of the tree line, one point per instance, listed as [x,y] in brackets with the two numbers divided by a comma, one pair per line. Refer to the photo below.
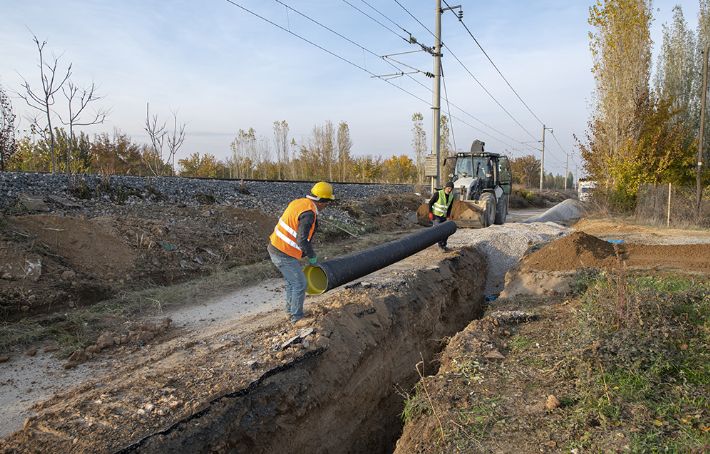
[641,130]
[53,143]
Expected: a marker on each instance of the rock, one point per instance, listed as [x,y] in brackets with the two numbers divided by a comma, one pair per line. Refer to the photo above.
[321,342]
[32,203]
[93,349]
[68,275]
[33,269]
[253,365]
[7,276]
[552,402]
[32,351]
[494,354]
[4,358]
[79,356]
[50,348]
[105,340]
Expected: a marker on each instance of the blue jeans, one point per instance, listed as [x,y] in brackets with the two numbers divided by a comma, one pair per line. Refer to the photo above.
[292,272]
[440,220]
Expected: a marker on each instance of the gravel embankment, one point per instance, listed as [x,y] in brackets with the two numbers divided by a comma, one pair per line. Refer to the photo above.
[92,193]
[504,245]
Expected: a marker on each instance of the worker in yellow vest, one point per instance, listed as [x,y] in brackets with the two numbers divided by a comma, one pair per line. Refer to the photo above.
[291,241]
[440,208]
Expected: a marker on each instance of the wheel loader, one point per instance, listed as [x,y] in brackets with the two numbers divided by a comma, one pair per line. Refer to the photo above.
[482,186]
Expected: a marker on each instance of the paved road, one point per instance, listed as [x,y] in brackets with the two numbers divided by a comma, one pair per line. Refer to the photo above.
[520,214]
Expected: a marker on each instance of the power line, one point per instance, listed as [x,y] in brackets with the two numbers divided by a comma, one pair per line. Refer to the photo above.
[494,65]
[469,72]
[386,17]
[335,32]
[365,69]
[323,49]
[383,25]
[448,107]
[421,84]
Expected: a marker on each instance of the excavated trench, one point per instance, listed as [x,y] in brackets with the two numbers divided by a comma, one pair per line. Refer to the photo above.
[341,396]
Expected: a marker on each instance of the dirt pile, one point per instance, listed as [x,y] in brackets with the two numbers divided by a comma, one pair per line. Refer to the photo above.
[233,391]
[67,259]
[577,250]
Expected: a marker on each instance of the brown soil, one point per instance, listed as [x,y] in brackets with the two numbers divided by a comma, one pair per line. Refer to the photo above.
[577,250]
[85,260]
[581,250]
[230,390]
[82,260]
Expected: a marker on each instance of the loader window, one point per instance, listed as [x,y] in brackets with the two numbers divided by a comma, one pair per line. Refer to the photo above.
[464,166]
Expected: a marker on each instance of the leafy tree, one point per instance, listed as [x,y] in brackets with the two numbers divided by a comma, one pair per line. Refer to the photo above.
[621,54]
[526,170]
[399,169]
[345,144]
[196,165]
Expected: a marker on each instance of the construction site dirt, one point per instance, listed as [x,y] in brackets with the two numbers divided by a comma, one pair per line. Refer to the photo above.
[227,372]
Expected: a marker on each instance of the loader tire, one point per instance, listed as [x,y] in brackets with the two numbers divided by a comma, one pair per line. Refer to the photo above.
[489,213]
[501,209]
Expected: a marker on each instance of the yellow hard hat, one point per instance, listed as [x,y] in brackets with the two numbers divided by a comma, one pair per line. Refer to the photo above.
[323,191]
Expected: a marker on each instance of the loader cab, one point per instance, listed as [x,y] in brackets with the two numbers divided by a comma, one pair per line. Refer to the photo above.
[482,172]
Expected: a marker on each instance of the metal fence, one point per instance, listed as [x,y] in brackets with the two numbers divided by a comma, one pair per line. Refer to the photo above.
[672,206]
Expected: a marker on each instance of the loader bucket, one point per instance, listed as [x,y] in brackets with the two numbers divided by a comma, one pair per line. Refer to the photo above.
[466,214]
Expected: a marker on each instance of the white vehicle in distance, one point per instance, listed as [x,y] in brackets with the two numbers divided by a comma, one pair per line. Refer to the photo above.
[585,188]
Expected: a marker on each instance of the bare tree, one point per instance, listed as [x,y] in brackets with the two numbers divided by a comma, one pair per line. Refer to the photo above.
[8,144]
[52,82]
[281,141]
[82,97]
[159,138]
[176,138]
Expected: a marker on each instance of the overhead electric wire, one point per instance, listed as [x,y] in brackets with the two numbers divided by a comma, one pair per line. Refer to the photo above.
[243,8]
[335,32]
[324,49]
[469,72]
[383,25]
[448,108]
[494,65]
[386,17]
[429,89]
[385,57]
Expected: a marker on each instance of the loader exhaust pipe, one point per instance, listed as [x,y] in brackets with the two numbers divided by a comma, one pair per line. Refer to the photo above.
[341,270]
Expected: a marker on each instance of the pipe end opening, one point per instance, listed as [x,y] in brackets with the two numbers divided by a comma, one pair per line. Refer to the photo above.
[316,279]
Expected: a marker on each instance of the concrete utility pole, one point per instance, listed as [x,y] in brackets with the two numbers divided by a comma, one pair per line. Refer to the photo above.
[436,97]
[542,161]
[701,138]
[566,169]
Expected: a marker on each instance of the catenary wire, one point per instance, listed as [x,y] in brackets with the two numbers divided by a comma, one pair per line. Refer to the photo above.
[323,49]
[243,8]
[469,72]
[448,107]
[494,65]
[394,66]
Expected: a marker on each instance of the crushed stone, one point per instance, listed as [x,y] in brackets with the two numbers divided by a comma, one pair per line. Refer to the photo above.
[504,245]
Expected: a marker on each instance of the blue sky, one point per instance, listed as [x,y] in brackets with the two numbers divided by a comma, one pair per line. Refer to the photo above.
[222,69]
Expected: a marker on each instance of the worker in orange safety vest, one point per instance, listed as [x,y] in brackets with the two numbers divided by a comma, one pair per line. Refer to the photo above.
[291,241]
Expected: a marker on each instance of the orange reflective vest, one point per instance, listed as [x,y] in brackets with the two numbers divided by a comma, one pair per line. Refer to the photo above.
[286,230]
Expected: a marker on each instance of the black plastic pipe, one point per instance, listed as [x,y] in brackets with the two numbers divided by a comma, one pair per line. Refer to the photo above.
[341,270]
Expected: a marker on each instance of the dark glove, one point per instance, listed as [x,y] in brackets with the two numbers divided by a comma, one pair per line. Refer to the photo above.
[312,260]
[431,216]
